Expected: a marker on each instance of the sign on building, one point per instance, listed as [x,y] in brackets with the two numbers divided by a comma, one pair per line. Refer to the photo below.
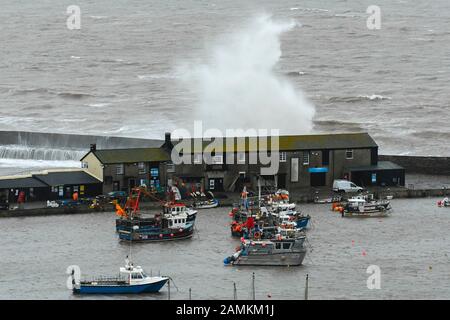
[294,170]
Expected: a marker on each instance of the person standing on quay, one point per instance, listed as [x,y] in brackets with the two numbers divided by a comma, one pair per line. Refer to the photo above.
[21,199]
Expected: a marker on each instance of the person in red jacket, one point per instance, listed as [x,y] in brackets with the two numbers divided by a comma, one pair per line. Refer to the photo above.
[21,199]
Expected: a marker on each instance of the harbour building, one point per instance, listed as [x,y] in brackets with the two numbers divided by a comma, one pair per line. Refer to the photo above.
[304,161]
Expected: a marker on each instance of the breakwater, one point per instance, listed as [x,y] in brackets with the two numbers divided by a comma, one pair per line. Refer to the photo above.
[420,164]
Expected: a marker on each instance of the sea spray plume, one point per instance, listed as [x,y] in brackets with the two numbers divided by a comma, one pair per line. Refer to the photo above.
[238,88]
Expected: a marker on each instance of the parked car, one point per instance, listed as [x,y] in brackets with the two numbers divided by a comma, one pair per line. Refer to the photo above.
[345,186]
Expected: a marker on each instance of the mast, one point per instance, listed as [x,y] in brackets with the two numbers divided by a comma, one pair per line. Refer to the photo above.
[306,287]
[253,287]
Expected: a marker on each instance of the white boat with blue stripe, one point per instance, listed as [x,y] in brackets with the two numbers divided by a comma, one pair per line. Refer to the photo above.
[131,280]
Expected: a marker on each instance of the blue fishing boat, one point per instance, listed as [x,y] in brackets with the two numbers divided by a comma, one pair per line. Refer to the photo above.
[131,280]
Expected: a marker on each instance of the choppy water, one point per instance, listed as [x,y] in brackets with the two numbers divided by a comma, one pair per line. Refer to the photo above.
[118,74]
[411,247]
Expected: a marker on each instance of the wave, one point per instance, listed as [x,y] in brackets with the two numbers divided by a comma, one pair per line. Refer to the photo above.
[295,73]
[98,105]
[308,9]
[157,76]
[74,95]
[98,17]
[336,125]
[432,134]
[41,153]
[351,99]
[69,95]
[60,147]
[29,91]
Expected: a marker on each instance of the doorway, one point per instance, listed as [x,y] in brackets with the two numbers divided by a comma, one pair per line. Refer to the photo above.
[318,179]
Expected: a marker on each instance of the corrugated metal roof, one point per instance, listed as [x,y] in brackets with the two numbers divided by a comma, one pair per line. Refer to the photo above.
[286,143]
[111,156]
[21,182]
[66,178]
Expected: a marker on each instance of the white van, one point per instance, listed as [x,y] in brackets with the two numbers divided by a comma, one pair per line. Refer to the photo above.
[345,186]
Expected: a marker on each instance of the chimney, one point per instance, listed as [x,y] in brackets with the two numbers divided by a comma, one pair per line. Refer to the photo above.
[167,142]
[93,147]
[167,138]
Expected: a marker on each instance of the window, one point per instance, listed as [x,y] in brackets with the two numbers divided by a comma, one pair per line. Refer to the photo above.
[278,245]
[119,169]
[241,157]
[325,157]
[170,167]
[286,245]
[141,167]
[217,159]
[211,184]
[349,154]
[84,165]
[198,158]
[306,158]
[282,156]
[154,172]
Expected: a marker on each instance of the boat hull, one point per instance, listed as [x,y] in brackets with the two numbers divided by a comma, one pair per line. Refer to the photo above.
[164,235]
[302,223]
[373,214]
[120,289]
[276,259]
[211,205]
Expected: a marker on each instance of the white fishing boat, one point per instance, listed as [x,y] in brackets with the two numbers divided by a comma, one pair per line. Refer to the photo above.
[366,206]
[204,201]
[131,280]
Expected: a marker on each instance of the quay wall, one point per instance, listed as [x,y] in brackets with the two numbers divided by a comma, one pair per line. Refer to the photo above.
[226,202]
[420,164]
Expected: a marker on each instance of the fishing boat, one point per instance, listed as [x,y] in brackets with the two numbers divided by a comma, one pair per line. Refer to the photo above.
[365,206]
[166,228]
[127,221]
[174,223]
[444,202]
[277,252]
[204,201]
[131,280]
[206,204]
[279,201]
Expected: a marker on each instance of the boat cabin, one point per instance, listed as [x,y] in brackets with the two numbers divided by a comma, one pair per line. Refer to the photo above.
[175,208]
[177,221]
[133,274]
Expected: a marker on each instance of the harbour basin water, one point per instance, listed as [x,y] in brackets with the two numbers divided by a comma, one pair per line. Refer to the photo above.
[411,248]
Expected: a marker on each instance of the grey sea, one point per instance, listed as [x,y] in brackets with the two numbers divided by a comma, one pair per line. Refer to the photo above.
[120,73]
[411,248]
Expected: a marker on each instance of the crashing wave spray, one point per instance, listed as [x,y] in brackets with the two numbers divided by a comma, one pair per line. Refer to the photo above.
[239,88]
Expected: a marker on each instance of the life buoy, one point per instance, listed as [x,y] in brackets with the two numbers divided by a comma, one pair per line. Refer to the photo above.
[257,235]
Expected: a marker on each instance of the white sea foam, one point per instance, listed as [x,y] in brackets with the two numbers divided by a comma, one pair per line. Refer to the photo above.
[238,87]
[98,105]
[30,164]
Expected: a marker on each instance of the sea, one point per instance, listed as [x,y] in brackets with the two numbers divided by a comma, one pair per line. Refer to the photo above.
[138,69]
[409,250]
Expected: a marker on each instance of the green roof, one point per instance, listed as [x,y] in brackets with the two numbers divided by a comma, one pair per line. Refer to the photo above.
[288,143]
[132,155]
